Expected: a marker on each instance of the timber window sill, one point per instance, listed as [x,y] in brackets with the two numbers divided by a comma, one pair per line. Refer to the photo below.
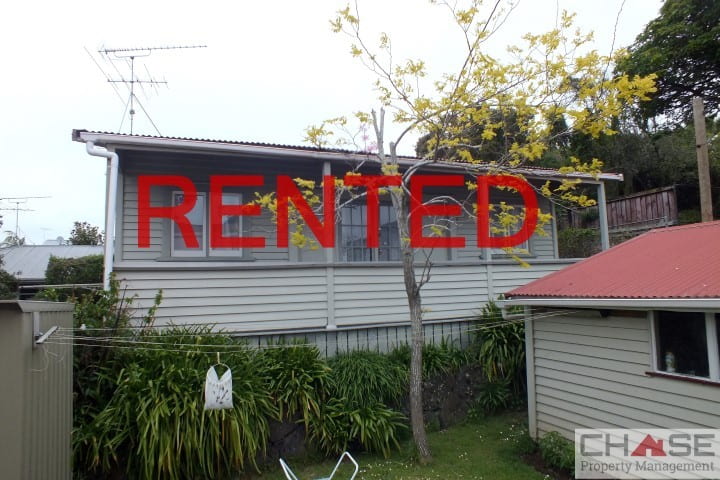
[684,378]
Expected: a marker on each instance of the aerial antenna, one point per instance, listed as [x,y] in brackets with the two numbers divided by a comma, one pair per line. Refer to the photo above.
[18,201]
[129,55]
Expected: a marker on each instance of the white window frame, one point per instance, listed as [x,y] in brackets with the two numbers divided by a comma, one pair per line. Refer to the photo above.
[194,252]
[374,252]
[228,252]
[525,245]
[205,249]
[711,326]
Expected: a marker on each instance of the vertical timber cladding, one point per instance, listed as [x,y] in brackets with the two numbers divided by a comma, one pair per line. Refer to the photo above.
[36,409]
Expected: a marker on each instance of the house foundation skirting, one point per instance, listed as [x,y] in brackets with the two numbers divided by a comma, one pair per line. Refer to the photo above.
[381,338]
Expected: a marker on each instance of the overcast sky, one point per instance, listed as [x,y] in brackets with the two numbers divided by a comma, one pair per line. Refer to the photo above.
[271,68]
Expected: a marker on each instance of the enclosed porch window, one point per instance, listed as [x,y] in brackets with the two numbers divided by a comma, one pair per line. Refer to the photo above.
[353,235]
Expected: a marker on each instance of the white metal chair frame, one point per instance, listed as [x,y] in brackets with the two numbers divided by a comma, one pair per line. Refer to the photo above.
[291,476]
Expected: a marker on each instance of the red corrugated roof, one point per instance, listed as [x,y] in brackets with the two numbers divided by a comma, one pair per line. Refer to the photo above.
[675,262]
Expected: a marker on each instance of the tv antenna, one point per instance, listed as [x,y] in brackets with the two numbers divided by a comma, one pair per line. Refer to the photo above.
[129,55]
[18,201]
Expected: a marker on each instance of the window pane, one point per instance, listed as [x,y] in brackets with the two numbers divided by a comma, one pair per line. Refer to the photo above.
[389,237]
[353,234]
[196,217]
[231,226]
[508,230]
[682,343]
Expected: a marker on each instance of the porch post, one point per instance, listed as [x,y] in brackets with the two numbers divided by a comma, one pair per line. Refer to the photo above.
[330,270]
[602,210]
[530,369]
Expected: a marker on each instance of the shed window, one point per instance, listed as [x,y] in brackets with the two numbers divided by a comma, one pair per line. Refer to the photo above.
[687,343]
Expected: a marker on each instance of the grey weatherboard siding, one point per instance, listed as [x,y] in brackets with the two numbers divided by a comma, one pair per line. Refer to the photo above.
[279,289]
[589,372]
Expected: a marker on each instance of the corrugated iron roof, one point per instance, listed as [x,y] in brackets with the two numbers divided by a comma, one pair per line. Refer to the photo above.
[229,142]
[29,262]
[531,170]
[675,262]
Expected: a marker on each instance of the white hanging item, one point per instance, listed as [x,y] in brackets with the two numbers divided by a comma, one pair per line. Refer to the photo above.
[218,391]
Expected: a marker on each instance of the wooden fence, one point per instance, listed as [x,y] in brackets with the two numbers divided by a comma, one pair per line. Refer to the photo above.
[639,211]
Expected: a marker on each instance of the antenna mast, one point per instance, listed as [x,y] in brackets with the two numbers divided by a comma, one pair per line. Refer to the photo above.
[18,201]
[131,54]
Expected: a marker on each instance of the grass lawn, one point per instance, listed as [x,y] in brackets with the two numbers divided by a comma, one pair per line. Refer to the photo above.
[487,449]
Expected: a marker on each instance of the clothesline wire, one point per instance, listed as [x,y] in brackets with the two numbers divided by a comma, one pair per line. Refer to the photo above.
[99,342]
[191,333]
[237,322]
[222,332]
[143,336]
[144,339]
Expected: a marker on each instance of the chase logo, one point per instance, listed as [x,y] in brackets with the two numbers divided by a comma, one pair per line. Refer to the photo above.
[649,447]
[647,453]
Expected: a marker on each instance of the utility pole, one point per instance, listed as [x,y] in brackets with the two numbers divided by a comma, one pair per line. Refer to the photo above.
[701,145]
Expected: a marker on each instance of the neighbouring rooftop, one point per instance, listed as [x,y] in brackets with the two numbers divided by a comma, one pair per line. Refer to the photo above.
[670,263]
[29,262]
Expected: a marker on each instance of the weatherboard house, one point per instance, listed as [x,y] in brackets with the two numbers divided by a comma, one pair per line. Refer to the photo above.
[351,294]
[627,338]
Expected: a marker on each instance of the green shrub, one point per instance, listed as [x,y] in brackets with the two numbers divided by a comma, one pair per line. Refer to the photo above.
[578,242]
[96,369]
[689,216]
[557,451]
[364,378]
[363,388]
[155,422]
[8,285]
[297,379]
[61,271]
[493,397]
[501,350]
[375,427]
[437,359]
[72,271]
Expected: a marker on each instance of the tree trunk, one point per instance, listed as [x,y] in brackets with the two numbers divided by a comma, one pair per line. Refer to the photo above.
[400,203]
[412,289]
[417,418]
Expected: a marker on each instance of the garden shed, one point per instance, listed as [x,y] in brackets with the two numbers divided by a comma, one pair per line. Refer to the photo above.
[36,406]
[627,338]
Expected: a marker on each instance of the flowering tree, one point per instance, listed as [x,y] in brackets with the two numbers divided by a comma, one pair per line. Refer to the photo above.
[548,87]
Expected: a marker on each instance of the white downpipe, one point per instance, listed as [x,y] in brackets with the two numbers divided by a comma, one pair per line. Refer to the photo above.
[110,205]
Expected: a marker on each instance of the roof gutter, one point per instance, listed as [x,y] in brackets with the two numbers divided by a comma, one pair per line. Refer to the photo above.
[614,303]
[110,206]
[139,141]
